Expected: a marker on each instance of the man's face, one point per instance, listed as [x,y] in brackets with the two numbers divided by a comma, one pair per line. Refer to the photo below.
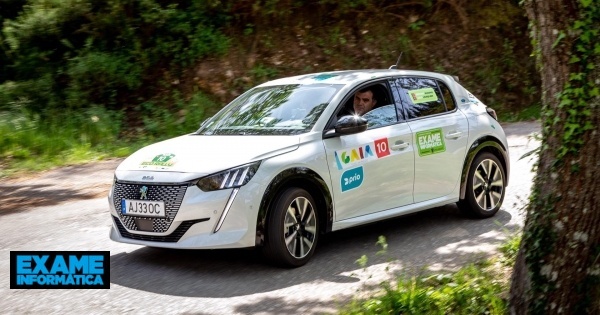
[363,102]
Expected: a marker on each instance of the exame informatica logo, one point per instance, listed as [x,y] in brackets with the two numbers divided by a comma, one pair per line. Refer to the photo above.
[59,270]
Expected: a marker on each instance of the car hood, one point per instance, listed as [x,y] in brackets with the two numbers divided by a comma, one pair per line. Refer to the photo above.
[203,155]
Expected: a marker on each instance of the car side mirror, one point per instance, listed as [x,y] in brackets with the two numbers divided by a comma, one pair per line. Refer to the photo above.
[350,124]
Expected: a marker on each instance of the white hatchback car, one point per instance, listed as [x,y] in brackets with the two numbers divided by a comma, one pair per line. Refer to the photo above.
[287,161]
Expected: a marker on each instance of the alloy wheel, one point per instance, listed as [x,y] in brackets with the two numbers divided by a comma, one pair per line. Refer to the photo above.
[488,184]
[300,226]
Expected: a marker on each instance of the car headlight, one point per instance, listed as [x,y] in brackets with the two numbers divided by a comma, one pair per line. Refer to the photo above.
[231,178]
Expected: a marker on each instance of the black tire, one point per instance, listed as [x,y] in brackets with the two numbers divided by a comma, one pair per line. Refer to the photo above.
[292,229]
[486,187]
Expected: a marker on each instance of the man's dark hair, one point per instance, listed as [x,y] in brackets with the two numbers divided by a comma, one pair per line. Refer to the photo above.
[368,89]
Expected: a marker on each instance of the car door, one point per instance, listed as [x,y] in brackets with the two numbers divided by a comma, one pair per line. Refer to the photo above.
[372,171]
[440,134]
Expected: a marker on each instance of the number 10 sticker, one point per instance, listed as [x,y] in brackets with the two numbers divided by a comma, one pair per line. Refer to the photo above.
[381,148]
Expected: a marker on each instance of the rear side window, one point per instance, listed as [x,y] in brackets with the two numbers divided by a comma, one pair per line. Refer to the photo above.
[420,97]
[450,104]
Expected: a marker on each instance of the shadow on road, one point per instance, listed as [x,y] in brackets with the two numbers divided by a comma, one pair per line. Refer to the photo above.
[440,237]
[22,197]
[69,183]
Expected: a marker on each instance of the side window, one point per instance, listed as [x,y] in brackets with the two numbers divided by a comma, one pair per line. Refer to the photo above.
[376,101]
[381,116]
[450,104]
[420,97]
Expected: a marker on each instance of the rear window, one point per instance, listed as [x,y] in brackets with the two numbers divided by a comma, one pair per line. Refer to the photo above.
[422,97]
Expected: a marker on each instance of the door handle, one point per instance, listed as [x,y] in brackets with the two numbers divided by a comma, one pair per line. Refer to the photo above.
[453,135]
[400,145]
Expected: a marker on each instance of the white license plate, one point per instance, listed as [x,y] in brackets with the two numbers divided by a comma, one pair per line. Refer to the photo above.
[143,208]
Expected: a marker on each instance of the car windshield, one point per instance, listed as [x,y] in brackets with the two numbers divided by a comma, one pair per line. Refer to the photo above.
[272,110]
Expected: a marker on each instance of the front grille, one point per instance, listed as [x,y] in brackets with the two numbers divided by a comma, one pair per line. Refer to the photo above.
[172,195]
[171,238]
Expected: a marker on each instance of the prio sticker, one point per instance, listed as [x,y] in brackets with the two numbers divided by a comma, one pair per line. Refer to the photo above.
[352,178]
[430,142]
[423,95]
[370,151]
[165,159]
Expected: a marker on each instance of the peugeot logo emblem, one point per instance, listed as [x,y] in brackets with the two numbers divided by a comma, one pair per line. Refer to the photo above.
[143,192]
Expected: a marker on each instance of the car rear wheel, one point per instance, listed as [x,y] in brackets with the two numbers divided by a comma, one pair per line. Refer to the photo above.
[486,186]
[292,228]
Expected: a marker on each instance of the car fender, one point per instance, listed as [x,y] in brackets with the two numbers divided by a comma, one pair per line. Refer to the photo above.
[302,177]
[486,143]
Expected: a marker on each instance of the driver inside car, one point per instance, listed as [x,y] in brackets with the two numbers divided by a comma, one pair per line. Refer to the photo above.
[364,101]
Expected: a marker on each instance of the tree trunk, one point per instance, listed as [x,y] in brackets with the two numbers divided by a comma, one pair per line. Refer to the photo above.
[557,270]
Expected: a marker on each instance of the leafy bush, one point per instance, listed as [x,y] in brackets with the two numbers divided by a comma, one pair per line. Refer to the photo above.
[82,53]
[478,288]
[72,70]
[100,76]
[181,117]
[471,290]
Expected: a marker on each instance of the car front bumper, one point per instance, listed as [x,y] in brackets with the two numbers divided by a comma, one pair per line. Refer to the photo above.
[195,220]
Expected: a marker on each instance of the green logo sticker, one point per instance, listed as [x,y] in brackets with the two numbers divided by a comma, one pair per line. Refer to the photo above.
[422,95]
[430,142]
[165,159]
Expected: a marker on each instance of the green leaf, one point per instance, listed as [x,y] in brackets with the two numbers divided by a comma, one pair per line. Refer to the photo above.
[561,35]
[576,76]
[564,102]
[585,37]
[578,24]
[530,153]
[572,112]
[574,59]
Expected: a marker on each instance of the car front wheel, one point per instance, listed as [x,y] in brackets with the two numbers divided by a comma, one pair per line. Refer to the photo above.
[292,228]
[486,185]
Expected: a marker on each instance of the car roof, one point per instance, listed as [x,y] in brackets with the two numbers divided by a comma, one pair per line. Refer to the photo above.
[351,76]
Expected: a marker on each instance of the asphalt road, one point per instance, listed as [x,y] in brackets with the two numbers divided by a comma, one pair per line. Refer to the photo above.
[67,209]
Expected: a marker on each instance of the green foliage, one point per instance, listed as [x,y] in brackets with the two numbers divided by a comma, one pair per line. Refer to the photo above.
[581,87]
[71,136]
[262,73]
[477,288]
[78,53]
[100,76]
[569,123]
[509,249]
[62,137]
[472,290]
[160,122]
[72,70]
[417,25]
[524,114]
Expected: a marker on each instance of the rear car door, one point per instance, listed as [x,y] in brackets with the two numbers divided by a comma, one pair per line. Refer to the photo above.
[440,134]
[372,171]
